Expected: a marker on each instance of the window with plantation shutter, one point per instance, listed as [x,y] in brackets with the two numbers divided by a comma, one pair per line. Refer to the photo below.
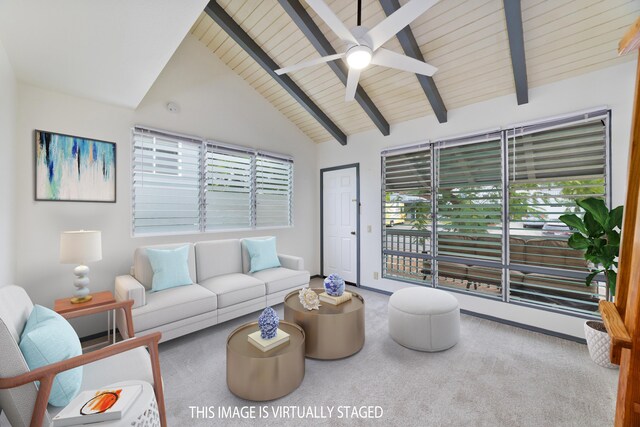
[469,213]
[406,215]
[274,190]
[183,184]
[229,189]
[550,167]
[166,184]
[480,214]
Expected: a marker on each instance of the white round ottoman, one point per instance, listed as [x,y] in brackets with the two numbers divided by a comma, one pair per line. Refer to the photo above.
[424,319]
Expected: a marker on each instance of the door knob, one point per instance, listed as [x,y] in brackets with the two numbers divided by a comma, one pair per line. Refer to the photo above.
[353,232]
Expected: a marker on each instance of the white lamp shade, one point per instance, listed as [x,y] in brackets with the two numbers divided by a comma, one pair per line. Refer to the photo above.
[80,247]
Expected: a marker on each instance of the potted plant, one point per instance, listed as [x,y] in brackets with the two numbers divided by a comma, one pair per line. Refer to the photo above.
[597,233]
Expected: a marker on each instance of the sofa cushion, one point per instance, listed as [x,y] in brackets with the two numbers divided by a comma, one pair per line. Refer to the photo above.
[450,271]
[48,338]
[518,250]
[489,248]
[246,258]
[452,244]
[172,305]
[263,254]
[234,288]
[15,308]
[170,268]
[553,253]
[485,275]
[218,257]
[132,365]
[516,278]
[280,279]
[142,270]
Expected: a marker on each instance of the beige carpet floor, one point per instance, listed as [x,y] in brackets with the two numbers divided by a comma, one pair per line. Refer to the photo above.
[497,375]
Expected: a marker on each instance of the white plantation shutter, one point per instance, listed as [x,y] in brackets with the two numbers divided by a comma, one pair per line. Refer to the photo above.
[469,212]
[274,190]
[184,184]
[551,166]
[497,197]
[166,184]
[228,189]
[407,199]
[469,199]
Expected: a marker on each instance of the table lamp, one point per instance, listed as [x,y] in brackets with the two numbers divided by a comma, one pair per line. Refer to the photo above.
[80,247]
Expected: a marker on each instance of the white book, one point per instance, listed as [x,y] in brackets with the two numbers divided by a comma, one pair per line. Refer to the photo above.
[346,296]
[266,345]
[95,406]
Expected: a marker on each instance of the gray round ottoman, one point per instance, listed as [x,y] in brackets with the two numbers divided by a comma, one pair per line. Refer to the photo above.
[424,319]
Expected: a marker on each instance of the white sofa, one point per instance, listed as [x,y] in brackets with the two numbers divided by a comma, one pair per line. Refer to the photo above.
[222,288]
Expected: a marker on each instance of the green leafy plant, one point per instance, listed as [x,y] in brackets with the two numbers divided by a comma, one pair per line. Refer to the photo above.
[597,233]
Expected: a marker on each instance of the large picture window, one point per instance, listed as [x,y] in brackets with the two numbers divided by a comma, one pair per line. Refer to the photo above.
[486,219]
[189,185]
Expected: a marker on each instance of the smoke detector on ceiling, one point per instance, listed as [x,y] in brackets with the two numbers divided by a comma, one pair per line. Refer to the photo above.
[172,107]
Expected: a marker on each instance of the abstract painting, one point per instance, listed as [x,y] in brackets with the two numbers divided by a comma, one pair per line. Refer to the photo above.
[70,168]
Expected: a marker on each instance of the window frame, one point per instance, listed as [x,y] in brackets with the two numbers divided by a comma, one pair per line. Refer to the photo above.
[206,146]
[603,114]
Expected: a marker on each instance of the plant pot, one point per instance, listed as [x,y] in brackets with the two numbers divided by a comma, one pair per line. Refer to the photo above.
[599,343]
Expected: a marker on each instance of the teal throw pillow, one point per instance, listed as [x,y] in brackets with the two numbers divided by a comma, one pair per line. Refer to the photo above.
[262,253]
[170,268]
[48,338]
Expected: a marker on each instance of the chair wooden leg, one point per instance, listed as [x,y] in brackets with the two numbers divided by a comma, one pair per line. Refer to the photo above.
[41,401]
[157,382]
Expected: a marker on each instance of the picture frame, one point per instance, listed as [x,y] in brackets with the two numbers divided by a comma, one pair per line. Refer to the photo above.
[71,168]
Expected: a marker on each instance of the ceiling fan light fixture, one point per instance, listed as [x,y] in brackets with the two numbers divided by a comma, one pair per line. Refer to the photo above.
[358,57]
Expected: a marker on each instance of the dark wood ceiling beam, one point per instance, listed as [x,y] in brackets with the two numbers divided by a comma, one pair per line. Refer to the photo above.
[222,18]
[411,48]
[306,24]
[513,14]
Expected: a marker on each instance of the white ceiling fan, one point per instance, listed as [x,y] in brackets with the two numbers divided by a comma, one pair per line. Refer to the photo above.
[364,45]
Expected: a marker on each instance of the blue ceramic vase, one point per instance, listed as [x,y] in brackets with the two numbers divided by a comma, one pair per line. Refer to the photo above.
[334,285]
[268,323]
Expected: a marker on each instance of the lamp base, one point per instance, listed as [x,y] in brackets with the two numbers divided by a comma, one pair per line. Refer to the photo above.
[80,300]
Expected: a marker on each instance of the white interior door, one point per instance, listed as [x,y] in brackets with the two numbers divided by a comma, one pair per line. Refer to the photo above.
[340,223]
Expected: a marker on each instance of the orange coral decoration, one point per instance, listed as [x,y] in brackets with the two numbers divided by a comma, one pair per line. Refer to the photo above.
[101,402]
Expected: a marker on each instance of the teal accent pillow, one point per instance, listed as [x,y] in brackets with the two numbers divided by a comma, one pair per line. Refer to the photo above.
[48,338]
[262,253]
[170,268]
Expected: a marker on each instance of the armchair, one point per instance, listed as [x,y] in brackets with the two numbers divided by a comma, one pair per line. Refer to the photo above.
[25,403]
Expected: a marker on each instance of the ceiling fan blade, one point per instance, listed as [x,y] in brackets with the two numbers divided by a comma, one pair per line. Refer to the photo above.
[333,22]
[301,65]
[399,19]
[390,59]
[352,84]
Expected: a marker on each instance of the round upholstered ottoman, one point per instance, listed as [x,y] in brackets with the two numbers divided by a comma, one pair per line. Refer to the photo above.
[424,319]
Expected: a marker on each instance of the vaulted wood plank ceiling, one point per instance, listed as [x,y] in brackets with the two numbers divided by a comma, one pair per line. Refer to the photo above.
[466,40]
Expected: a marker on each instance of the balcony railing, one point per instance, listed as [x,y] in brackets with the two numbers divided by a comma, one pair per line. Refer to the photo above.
[542,270]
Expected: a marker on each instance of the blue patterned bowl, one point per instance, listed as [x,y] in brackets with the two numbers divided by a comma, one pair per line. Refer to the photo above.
[334,285]
[268,323]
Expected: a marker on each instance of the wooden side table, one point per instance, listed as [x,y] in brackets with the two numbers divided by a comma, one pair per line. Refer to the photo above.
[64,305]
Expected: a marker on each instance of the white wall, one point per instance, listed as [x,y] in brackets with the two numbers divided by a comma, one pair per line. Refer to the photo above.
[611,87]
[215,103]
[7,178]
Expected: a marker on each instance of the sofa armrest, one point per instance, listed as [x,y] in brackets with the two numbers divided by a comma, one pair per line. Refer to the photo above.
[291,262]
[128,288]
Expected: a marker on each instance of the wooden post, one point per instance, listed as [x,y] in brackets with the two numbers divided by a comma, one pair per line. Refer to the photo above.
[628,289]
